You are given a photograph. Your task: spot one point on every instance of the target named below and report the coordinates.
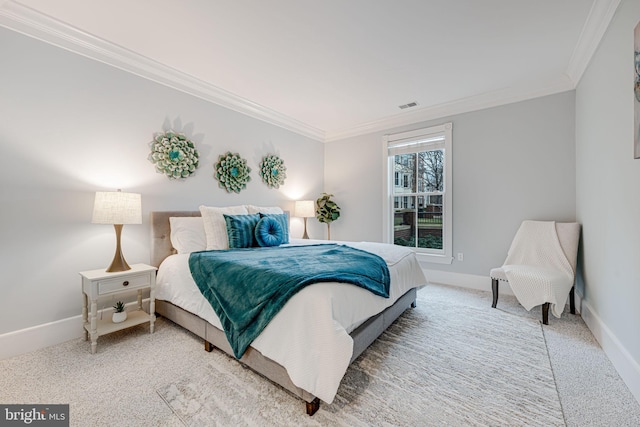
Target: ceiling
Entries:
(333, 68)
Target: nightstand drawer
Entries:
(123, 283)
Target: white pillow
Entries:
(187, 234)
(215, 228)
(266, 210)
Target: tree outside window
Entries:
(418, 201)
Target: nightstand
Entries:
(98, 284)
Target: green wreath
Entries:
(173, 155)
(273, 171)
(232, 172)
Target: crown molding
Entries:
(32, 23)
(460, 106)
(598, 20)
(596, 25)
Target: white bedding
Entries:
(309, 337)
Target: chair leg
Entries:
(545, 313)
(572, 300)
(494, 289)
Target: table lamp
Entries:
(117, 208)
(304, 209)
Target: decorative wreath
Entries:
(232, 172)
(173, 154)
(637, 82)
(273, 171)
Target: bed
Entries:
(285, 359)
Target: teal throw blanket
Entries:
(247, 287)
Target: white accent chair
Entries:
(569, 237)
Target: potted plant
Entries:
(327, 211)
(119, 315)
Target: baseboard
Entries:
(479, 283)
(627, 367)
(41, 336)
(469, 281)
(38, 337)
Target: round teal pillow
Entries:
(269, 232)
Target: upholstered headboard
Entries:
(161, 234)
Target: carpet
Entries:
(442, 363)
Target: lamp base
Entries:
(305, 235)
(118, 263)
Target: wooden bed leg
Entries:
(313, 406)
(208, 346)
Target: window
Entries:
(406, 180)
(418, 194)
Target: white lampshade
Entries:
(304, 209)
(116, 207)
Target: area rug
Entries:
(441, 363)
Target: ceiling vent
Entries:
(409, 105)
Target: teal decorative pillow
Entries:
(240, 230)
(268, 232)
(283, 219)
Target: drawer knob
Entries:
(125, 283)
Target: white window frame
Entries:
(421, 137)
